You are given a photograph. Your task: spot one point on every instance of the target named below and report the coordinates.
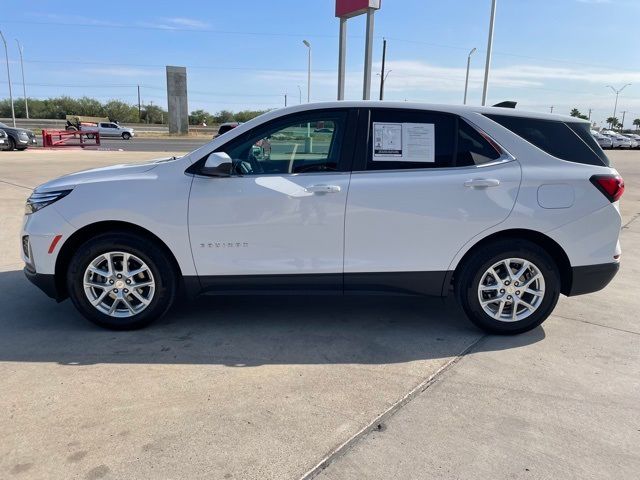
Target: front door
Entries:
(278, 221)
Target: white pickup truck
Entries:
(111, 129)
(103, 126)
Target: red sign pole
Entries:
(346, 9)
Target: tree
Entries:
(222, 116)
(153, 114)
(636, 122)
(246, 115)
(576, 113)
(613, 122)
(198, 117)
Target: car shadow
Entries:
(244, 331)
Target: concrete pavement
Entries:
(272, 387)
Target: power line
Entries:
(296, 35)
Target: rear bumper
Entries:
(45, 282)
(591, 278)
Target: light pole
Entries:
(466, 81)
(617, 92)
(308, 45)
(299, 95)
(24, 88)
(383, 82)
(6, 54)
(489, 48)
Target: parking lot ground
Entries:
(272, 387)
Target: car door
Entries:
(424, 184)
(105, 131)
(278, 221)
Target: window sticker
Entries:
(403, 142)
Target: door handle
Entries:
(482, 183)
(322, 189)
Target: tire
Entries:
(160, 273)
(476, 271)
(126, 135)
(11, 144)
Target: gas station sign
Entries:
(352, 8)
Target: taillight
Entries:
(611, 186)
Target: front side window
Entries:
(310, 143)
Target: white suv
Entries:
(508, 209)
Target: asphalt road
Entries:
(278, 388)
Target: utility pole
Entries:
(551, 109)
(139, 105)
(489, 48)
(24, 87)
(617, 92)
(466, 81)
(622, 124)
(6, 54)
(285, 99)
(384, 56)
(590, 110)
(299, 95)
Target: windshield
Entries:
(2, 125)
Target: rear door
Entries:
(424, 184)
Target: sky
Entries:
(247, 54)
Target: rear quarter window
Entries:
(570, 141)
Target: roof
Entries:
(456, 109)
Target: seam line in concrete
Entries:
(344, 447)
(16, 185)
(633, 219)
(597, 324)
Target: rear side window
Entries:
(473, 148)
(426, 139)
(555, 138)
(584, 132)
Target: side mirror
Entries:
(218, 164)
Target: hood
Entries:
(103, 174)
(17, 130)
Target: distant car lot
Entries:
(251, 388)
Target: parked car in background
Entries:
(635, 138)
(18, 138)
(604, 141)
(4, 140)
(225, 127)
(619, 141)
(493, 204)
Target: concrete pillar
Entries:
(177, 100)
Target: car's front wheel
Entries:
(126, 135)
(121, 281)
(509, 287)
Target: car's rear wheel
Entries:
(121, 281)
(509, 287)
(126, 135)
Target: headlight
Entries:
(39, 200)
(23, 135)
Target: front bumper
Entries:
(591, 278)
(45, 282)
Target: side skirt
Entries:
(381, 283)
